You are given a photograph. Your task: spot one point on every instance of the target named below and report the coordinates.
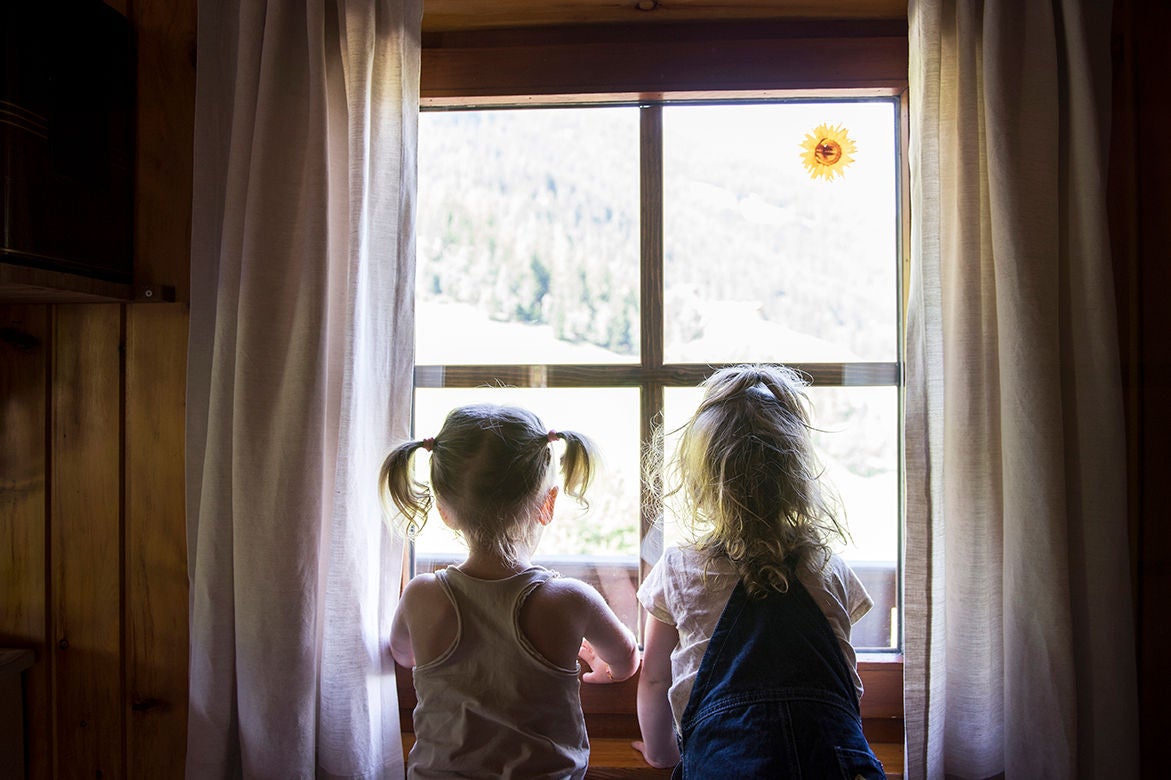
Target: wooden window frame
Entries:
(650, 65)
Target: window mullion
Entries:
(651, 244)
(651, 322)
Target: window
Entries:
(596, 263)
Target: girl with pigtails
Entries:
(494, 641)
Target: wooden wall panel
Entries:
(1139, 198)
(86, 547)
(165, 126)
(156, 550)
(155, 392)
(24, 339)
(1153, 200)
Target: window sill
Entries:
(613, 757)
(882, 700)
(611, 714)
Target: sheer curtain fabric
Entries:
(299, 379)
(1019, 635)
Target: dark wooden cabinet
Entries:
(67, 78)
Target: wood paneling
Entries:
(1151, 164)
(86, 555)
(92, 543)
(1139, 199)
(92, 525)
(165, 34)
(24, 608)
(156, 562)
(19, 284)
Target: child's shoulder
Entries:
(565, 598)
(837, 580)
(687, 559)
(675, 556)
(568, 589)
(424, 590)
(839, 569)
(683, 569)
(831, 573)
(425, 604)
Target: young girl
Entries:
(747, 665)
(494, 641)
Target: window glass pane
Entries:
(857, 443)
(528, 233)
(764, 262)
(598, 544)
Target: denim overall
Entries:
(774, 697)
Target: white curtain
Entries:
(299, 378)
(1019, 628)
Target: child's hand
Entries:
(641, 748)
(599, 670)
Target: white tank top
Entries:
(491, 706)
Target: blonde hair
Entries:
(489, 465)
(749, 480)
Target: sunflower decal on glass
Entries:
(826, 151)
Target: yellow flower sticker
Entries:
(827, 151)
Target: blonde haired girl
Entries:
(747, 664)
(494, 641)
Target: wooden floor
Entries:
(615, 758)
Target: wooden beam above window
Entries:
(628, 63)
(488, 14)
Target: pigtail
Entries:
(399, 490)
(579, 464)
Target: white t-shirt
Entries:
(676, 593)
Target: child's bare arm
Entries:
(607, 640)
(400, 634)
(425, 623)
(658, 745)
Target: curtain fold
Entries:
(300, 361)
(1019, 625)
